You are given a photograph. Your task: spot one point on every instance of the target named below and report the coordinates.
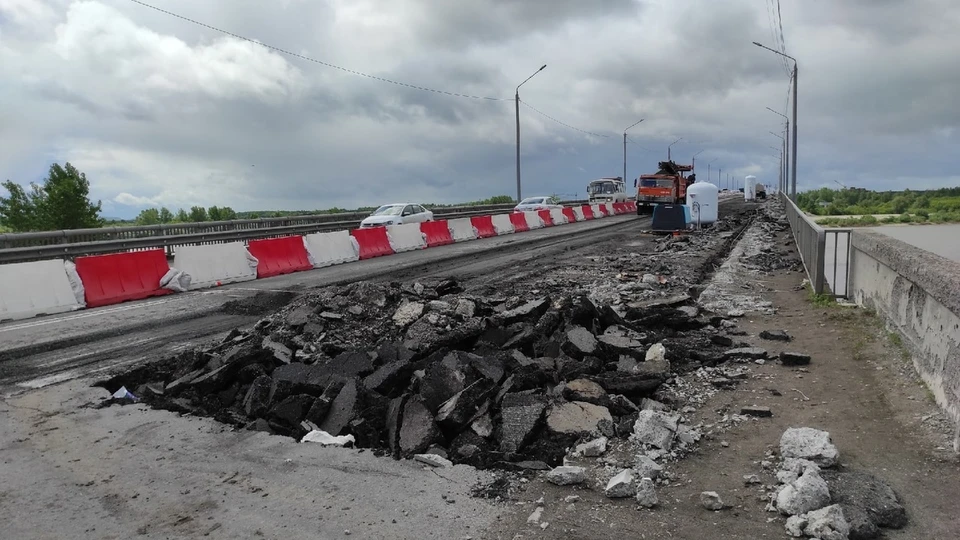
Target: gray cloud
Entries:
(159, 111)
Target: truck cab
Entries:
(604, 190)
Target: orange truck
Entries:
(667, 186)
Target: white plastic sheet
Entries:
(175, 280)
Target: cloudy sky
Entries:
(160, 111)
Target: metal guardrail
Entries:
(25, 247)
(812, 241)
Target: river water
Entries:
(944, 240)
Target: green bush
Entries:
(905, 218)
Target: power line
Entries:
(314, 60)
(638, 144)
(547, 116)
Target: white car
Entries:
(396, 214)
(537, 203)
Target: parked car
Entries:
(537, 203)
(396, 214)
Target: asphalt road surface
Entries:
(46, 350)
(38, 352)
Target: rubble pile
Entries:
(825, 502)
(409, 369)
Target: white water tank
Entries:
(750, 188)
(707, 199)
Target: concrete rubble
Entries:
(826, 501)
(502, 382)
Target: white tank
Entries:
(750, 188)
(707, 199)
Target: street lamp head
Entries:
(543, 67)
(758, 45)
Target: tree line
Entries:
(858, 201)
(62, 201)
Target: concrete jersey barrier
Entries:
(330, 248)
(502, 224)
(216, 264)
(35, 288)
(405, 237)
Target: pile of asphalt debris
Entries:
(423, 368)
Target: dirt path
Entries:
(859, 387)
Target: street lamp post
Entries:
(708, 169)
(625, 150)
(517, 100)
(786, 150)
(781, 150)
(671, 144)
(793, 186)
(693, 162)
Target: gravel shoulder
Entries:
(860, 387)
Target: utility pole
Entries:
(517, 101)
(625, 151)
(719, 177)
(786, 152)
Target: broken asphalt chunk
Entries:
(794, 359)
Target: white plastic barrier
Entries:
(578, 213)
(406, 237)
(610, 210)
(533, 220)
(596, 211)
(502, 224)
(329, 248)
(210, 264)
(556, 215)
(462, 229)
(35, 288)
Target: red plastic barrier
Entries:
(519, 221)
(484, 225)
(437, 232)
(571, 217)
(373, 242)
(545, 216)
(603, 210)
(587, 211)
(631, 207)
(620, 208)
(111, 279)
(279, 256)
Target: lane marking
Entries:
(84, 315)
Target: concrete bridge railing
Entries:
(918, 294)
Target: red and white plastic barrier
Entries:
(47, 287)
(37, 288)
(503, 224)
(329, 248)
(406, 237)
(216, 264)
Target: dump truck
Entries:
(667, 186)
(761, 191)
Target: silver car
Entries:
(537, 203)
(396, 214)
